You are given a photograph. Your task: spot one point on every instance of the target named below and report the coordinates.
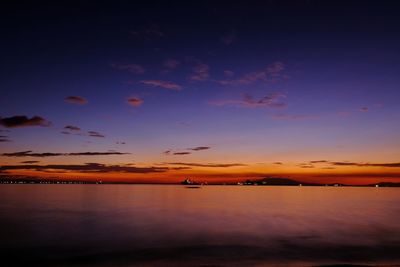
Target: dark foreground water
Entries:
(149, 225)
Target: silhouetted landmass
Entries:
(279, 181)
(388, 184)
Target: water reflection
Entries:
(217, 225)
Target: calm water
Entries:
(147, 225)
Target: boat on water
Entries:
(190, 184)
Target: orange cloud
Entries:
(135, 101)
(78, 100)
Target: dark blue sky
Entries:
(256, 82)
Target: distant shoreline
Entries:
(68, 182)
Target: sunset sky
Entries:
(161, 91)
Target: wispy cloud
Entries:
(199, 148)
(95, 134)
(30, 153)
(108, 153)
(30, 161)
(171, 64)
(364, 109)
(355, 164)
(23, 121)
(273, 100)
(209, 165)
(184, 124)
(135, 101)
(182, 153)
(289, 117)
(77, 100)
(306, 165)
(86, 168)
(72, 128)
(4, 138)
(228, 73)
(319, 161)
(163, 84)
(271, 73)
(132, 68)
(201, 72)
(360, 164)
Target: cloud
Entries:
(229, 38)
(271, 73)
(275, 69)
(306, 166)
(29, 153)
(289, 117)
(228, 73)
(349, 112)
(201, 72)
(95, 134)
(278, 163)
(163, 84)
(30, 161)
(318, 161)
(135, 101)
(182, 153)
(97, 153)
(87, 167)
(198, 148)
(4, 138)
(24, 121)
(132, 68)
(72, 128)
(171, 64)
(184, 124)
(78, 100)
(212, 165)
(358, 164)
(273, 100)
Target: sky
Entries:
(155, 92)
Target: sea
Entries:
(173, 225)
